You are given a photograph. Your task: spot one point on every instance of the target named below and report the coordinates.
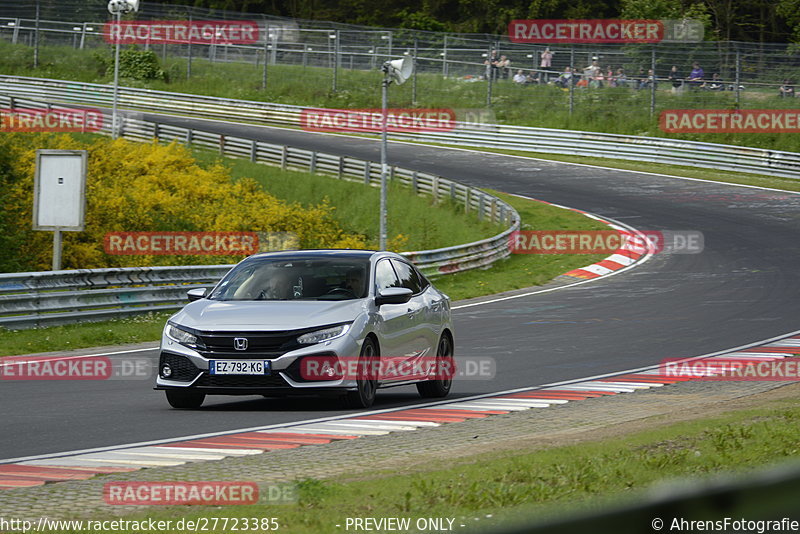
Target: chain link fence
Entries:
(606, 78)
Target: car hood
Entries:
(207, 314)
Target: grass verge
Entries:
(420, 223)
(136, 329)
(534, 484)
(516, 272)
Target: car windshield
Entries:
(295, 279)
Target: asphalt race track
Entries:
(744, 287)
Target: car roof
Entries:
(324, 253)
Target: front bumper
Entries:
(190, 369)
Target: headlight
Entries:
(182, 336)
(323, 335)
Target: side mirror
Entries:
(393, 295)
(196, 293)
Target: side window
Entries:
(385, 276)
(408, 276)
(423, 282)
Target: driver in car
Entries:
(278, 287)
(354, 281)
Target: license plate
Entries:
(239, 367)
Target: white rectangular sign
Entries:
(59, 199)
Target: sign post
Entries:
(59, 194)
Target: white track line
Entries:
(340, 421)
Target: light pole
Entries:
(117, 8)
(397, 71)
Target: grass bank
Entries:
(612, 110)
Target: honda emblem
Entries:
(240, 343)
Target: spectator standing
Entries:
(696, 76)
(492, 68)
(610, 79)
(621, 78)
(786, 90)
(591, 72)
(504, 65)
(676, 79)
(546, 64)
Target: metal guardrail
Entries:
(635, 148)
(34, 299)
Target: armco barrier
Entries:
(33, 299)
(636, 148)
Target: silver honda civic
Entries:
(321, 322)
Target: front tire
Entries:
(366, 384)
(435, 389)
(184, 399)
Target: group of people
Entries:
(595, 76)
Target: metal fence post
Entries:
(653, 84)
(572, 80)
(36, 38)
(189, 58)
(266, 52)
(738, 76)
(254, 151)
(414, 67)
(444, 58)
(335, 37)
(489, 77)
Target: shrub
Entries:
(146, 187)
(136, 64)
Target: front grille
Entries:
(260, 345)
(183, 370)
(241, 381)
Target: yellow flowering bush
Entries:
(139, 187)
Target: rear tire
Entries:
(185, 399)
(367, 385)
(433, 389)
